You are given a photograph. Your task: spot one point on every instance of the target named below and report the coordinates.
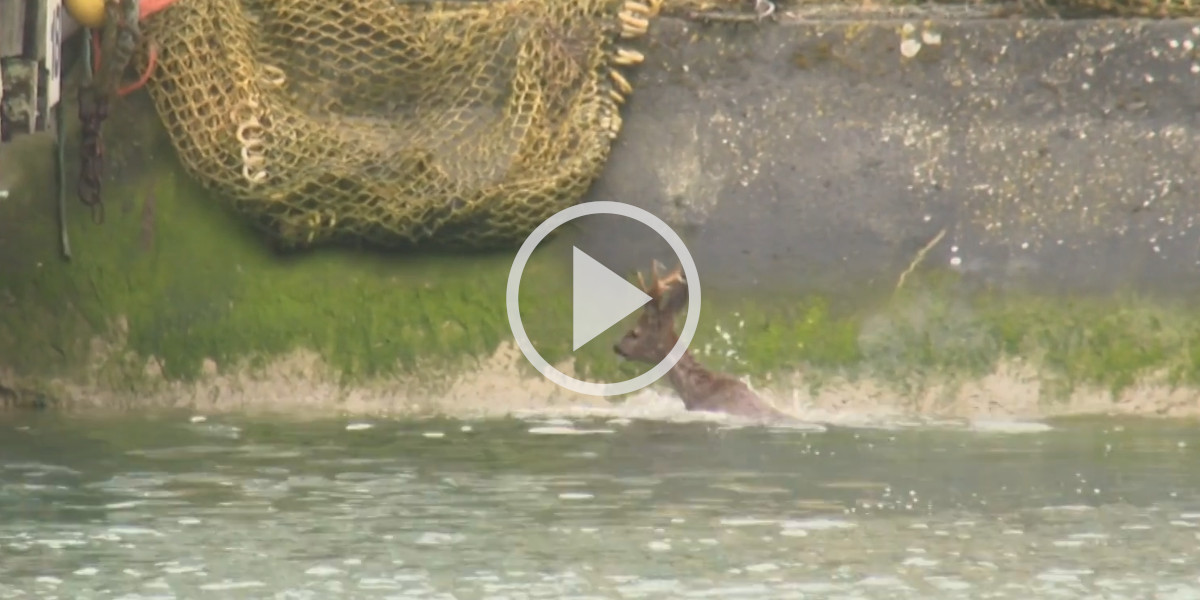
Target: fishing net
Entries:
(395, 122)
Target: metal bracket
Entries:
(30, 70)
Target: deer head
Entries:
(653, 336)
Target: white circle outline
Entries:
(539, 234)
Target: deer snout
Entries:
(624, 349)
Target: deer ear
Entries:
(656, 269)
(678, 272)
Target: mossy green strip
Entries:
(194, 282)
(934, 331)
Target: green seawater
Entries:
(182, 506)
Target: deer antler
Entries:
(661, 284)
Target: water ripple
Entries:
(602, 507)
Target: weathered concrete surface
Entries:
(808, 165)
(1053, 154)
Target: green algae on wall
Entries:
(174, 275)
(183, 280)
(936, 330)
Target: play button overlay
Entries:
(601, 298)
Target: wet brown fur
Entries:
(701, 389)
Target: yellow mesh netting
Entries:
(395, 122)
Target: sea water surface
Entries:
(184, 506)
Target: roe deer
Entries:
(652, 338)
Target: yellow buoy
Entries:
(89, 13)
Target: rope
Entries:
(61, 170)
(87, 56)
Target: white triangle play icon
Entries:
(599, 298)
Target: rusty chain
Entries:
(118, 40)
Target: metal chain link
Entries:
(118, 41)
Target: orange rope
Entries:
(146, 8)
(150, 64)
